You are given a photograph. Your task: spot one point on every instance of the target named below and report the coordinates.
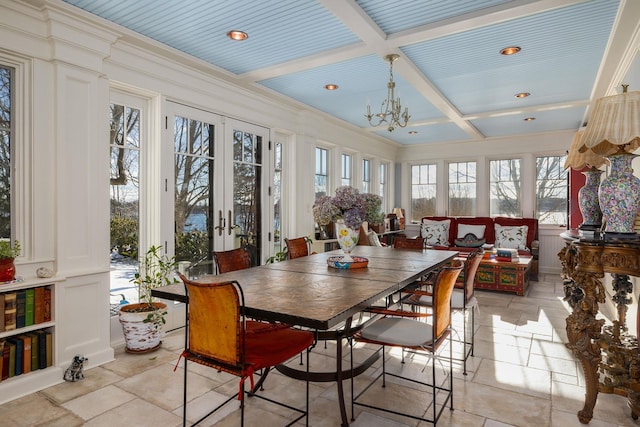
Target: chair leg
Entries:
(451, 372)
(184, 396)
(464, 340)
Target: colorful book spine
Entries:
(42, 349)
(10, 311)
(5, 360)
(47, 304)
(38, 305)
(29, 306)
(49, 340)
(12, 358)
(21, 300)
(1, 312)
(26, 353)
(19, 354)
(35, 351)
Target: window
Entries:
(505, 195)
(366, 176)
(6, 148)
(423, 191)
(551, 190)
(277, 197)
(346, 169)
(383, 185)
(124, 145)
(321, 172)
(462, 189)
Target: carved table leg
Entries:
(583, 332)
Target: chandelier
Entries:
(390, 110)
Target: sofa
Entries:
(465, 234)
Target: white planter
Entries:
(140, 337)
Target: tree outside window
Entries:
(505, 195)
(346, 169)
(423, 191)
(322, 173)
(551, 190)
(6, 134)
(462, 189)
(366, 176)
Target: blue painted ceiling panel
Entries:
(449, 67)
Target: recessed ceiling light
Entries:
(237, 35)
(522, 94)
(529, 119)
(510, 50)
(413, 132)
(331, 86)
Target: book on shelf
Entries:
(1, 312)
(42, 349)
(12, 357)
(21, 300)
(26, 353)
(19, 354)
(10, 311)
(47, 304)
(28, 308)
(35, 351)
(38, 305)
(5, 360)
(49, 348)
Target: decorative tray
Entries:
(337, 262)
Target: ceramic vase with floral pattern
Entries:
(347, 239)
(588, 200)
(619, 196)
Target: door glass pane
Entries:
(247, 201)
(5, 151)
(193, 145)
(124, 146)
(277, 198)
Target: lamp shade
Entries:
(615, 122)
(577, 160)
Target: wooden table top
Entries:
(307, 292)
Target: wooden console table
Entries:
(584, 264)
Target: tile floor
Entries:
(521, 375)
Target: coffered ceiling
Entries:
(450, 73)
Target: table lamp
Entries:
(588, 194)
(613, 131)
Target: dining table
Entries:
(307, 292)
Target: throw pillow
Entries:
(470, 241)
(464, 229)
(436, 233)
(511, 237)
(373, 239)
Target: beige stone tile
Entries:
(568, 419)
(512, 338)
(136, 412)
(502, 352)
(97, 402)
(127, 364)
(502, 405)
(551, 349)
(553, 364)
(94, 379)
(33, 409)
(609, 408)
(516, 378)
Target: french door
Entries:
(220, 187)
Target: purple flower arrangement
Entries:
(350, 205)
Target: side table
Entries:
(584, 264)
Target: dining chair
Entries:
(462, 300)
(217, 337)
(298, 247)
(401, 329)
(408, 243)
(232, 260)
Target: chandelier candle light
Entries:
(391, 109)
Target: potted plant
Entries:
(8, 253)
(142, 322)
